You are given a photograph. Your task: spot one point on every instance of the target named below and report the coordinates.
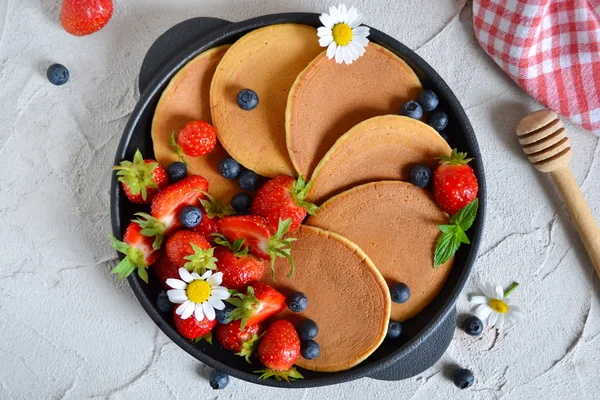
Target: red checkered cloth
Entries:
(551, 48)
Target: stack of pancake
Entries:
(336, 124)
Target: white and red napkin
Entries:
(551, 48)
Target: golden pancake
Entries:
(395, 223)
(266, 60)
(328, 99)
(380, 148)
(347, 297)
(186, 99)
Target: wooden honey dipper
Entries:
(543, 138)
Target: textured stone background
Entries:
(70, 331)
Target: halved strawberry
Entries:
(191, 328)
(164, 269)
(257, 236)
(141, 179)
(238, 267)
(260, 302)
(192, 251)
(212, 211)
(278, 350)
(138, 250)
(243, 341)
(281, 198)
(168, 203)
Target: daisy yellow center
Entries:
(198, 291)
(498, 305)
(342, 34)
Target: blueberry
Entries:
(463, 378)
(229, 168)
(399, 292)
(445, 136)
(428, 100)
(57, 74)
(420, 176)
(176, 171)
(248, 180)
(190, 216)
(241, 202)
(247, 99)
(310, 349)
(223, 315)
(394, 330)
(163, 304)
(473, 326)
(218, 380)
(412, 109)
(297, 302)
(307, 329)
(438, 120)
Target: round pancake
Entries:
(266, 60)
(347, 297)
(186, 99)
(328, 99)
(380, 148)
(395, 223)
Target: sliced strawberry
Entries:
(257, 236)
(243, 341)
(278, 350)
(212, 211)
(138, 250)
(164, 269)
(191, 328)
(281, 198)
(141, 179)
(167, 204)
(238, 267)
(260, 302)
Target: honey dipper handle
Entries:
(580, 213)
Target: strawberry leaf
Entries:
(246, 305)
(207, 337)
(134, 259)
(280, 247)
(201, 260)
(289, 375)
(176, 149)
(137, 175)
(455, 158)
(214, 207)
(237, 248)
(454, 235)
(299, 194)
(151, 227)
(249, 347)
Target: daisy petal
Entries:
(352, 14)
(185, 275)
(198, 313)
(206, 275)
(215, 279)
(331, 50)
(189, 310)
(220, 294)
(343, 13)
(177, 296)
(478, 299)
(327, 21)
(482, 311)
(357, 50)
(182, 307)
(488, 289)
(498, 292)
(492, 318)
(355, 21)
(195, 275)
(500, 321)
(338, 55)
(176, 283)
(360, 41)
(334, 14)
(216, 303)
(209, 311)
(515, 313)
(325, 41)
(361, 31)
(323, 31)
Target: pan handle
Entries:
(172, 42)
(425, 354)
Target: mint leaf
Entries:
(465, 217)
(445, 248)
(454, 235)
(461, 236)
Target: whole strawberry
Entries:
(278, 350)
(141, 179)
(190, 250)
(139, 252)
(454, 182)
(238, 267)
(191, 328)
(212, 211)
(281, 198)
(164, 269)
(196, 139)
(83, 17)
(242, 341)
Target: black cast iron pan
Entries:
(426, 336)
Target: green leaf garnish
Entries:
(454, 235)
(137, 175)
(176, 149)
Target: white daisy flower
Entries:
(198, 295)
(342, 34)
(494, 305)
